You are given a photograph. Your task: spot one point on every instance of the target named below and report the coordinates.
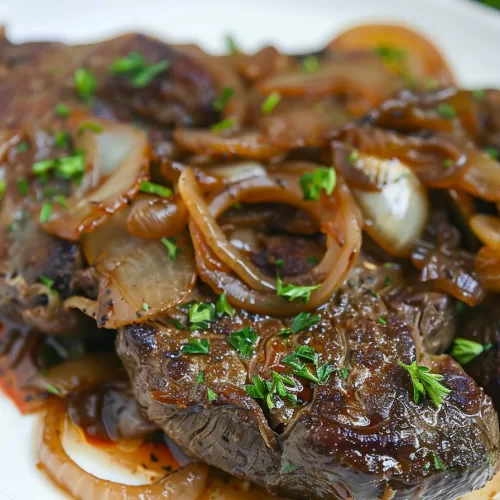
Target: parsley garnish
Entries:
(62, 110)
(222, 125)
(231, 45)
(437, 463)
(243, 341)
(61, 200)
(172, 248)
(145, 306)
(200, 378)
(152, 188)
(46, 212)
(448, 163)
(493, 152)
(279, 263)
(301, 370)
(220, 103)
(23, 147)
(41, 167)
(302, 321)
(344, 372)
(177, 324)
(270, 103)
(287, 467)
(86, 84)
(479, 95)
(212, 396)
(222, 306)
(66, 167)
(426, 383)
(323, 372)
(3, 187)
(61, 139)
(53, 389)
(310, 64)
(49, 283)
(353, 156)
(304, 353)
(270, 390)
(292, 292)
(312, 261)
(382, 321)
(446, 110)
(200, 315)
(390, 54)
(464, 350)
(91, 127)
(313, 182)
(139, 71)
(387, 281)
(195, 346)
(22, 187)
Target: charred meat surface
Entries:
(356, 433)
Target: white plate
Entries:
(467, 34)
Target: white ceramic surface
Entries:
(468, 35)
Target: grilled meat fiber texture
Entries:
(354, 437)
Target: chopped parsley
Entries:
(270, 391)
(46, 212)
(313, 182)
(42, 167)
(91, 127)
(22, 186)
(138, 70)
(382, 321)
(437, 463)
(3, 187)
(61, 139)
(200, 378)
(86, 84)
(302, 321)
(287, 467)
(226, 95)
(60, 199)
(493, 152)
(302, 353)
(323, 372)
(232, 48)
(222, 125)
(177, 324)
(353, 156)
(23, 147)
(390, 54)
(279, 263)
(312, 261)
(201, 315)
(62, 111)
(145, 306)
(344, 372)
(301, 370)
(310, 64)
(212, 396)
(464, 350)
(448, 163)
(53, 389)
(222, 306)
(446, 110)
(479, 95)
(152, 188)
(67, 167)
(243, 341)
(292, 292)
(426, 383)
(49, 283)
(172, 248)
(387, 281)
(270, 103)
(195, 346)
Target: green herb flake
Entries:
(437, 463)
(287, 467)
(387, 281)
(323, 372)
(43, 166)
(157, 189)
(86, 84)
(493, 152)
(464, 350)
(91, 127)
(302, 353)
(312, 183)
(345, 373)
(312, 261)
(382, 321)
(243, 341)
(212, 396)
(301, 370)
(479, 95)
(292, 292)
(304, 320)
(232, 47)
(195, 346)
(426, 383)
(130, 64)
(145, 307)
(390, 54)
(353, 156)
(53, 389)
(200, 378)
(270, 103)
(46, 212)
(62, 111)
(172, 248)
(61, 139)
(49, 283)
(310, 64)
(60, 200)
(226, 95)
(448, 163)
(279, 263)
(222, 306)
(148, 74)
(446, 110)
(202, 314)
(22, 186)
(177, 324)
(3, 187)
(223, 125)
(22, 147)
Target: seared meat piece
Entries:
(483, 325)
(356, 434)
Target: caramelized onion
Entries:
(186, 484)
(78, 374)
(246, 144)
(123, 162)
(482, 177)
(418, 57)
(395, 216)
(488, 268)
(338, 218)
(155, 217)
(487, 229)
(138, 277)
